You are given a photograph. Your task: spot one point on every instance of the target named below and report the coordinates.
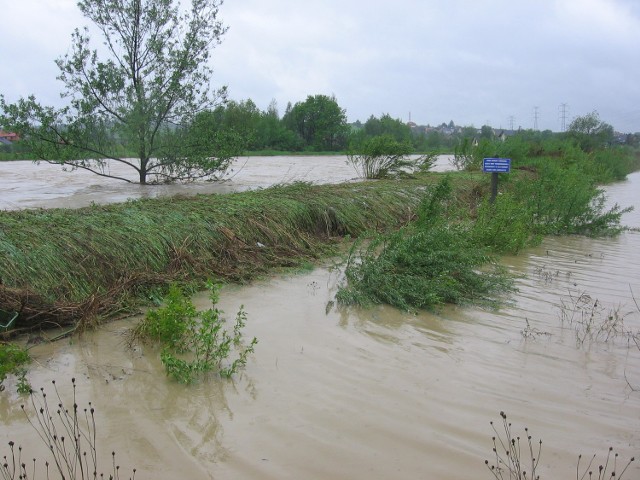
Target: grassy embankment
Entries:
(70, 267)
(449, 254)
(73, 267)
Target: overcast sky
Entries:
(470, 61)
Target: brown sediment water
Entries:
(25, 184)
(334, 392)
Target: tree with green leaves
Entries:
(385, 125)
(590, 132)
(137, 97)
(486, 132)
(320, 122)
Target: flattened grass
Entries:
(71, 267)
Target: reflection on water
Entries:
(338, 392)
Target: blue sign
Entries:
(496, 165)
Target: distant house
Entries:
(504, 134)
(8, 138)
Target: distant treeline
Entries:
(319, 124)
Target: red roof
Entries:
(12, 137)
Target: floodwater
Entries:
(346, 393)
(25, 184)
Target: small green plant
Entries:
(69, 434)
(12, 360)
(23, 386)
(195, 342)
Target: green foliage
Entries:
(590, 132)
(140, 94)
(195, 342)
(387, 126)
(425, 264)
(12, 359)
(320, 122)
(560, 198)
(170, 324)
(615, 163)
(445, 256)
(463, 157)
(380, 157)
(504, 226)
(566, 201)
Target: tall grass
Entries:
(68, 266)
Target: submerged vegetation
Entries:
(384, 157)
(13, 359)
(70, 435)
(73, 267)
(447, 254)
(428, 262)
(194, 342)
(518, 458)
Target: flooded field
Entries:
(346, 393)
(25, 184)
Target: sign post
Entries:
(495, 166)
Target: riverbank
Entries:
(74, 267)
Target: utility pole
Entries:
(535, 118)
(563, 110)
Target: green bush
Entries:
(566, 201)
(504, 226)
(12, 360)
(428, 263)
(195, 342)
(380, 157)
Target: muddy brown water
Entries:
(24, 184)
(346, 393)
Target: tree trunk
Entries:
(143, 170)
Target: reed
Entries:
(71, 267)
